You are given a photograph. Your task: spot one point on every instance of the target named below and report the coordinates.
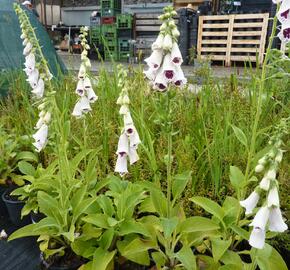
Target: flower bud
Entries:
(259, 168)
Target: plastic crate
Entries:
(95, 34)
(125, 33)
(95, 21)
(111, 55)
(111, 4)
(124, 21)
(110, 42)
(109, 12)
(124, 45)
(109, 31)
(108, 20)
(124, 56)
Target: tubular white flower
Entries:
(276, 222)
(259, 168)
(179, 79)
(160, 82)
(155, 59)
(261, 218)
(263, 160)
(47, 118)
(82, 72)
(265, 183)
(41, 135)
(23, 36)
(39, 123)
(133, 156)
(257, 238)
(91, 95)
(28, 71)
(158, 44)
(87, 83)
(30, 61)
(77, 111)
(284, 12)
(251, 202)
(38, 91)
(82, 106)
(33, 78)
(150, 74)
(167, 43)
(25, 41)
(273, 197)
(168, 68)
(279, 156)
(39, 145)
(271, 174)
(126, 100)
(123, 144)
(175, 32)
(284, 34)
(128, 121)
(124, 109)
(133, 137)
(176, 56)
(80, 90)
(121, 165)
(27, 48)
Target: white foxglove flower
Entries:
(80, 90)
(123, 144)
(33, 78)
(27, 48)
(128, 121)
(279, 156)
(259, 168)
(284, 34)
(257, 238)
(167, 43)
(277, 1)
(150, 74)
(133, 156)
(263, 161)
(176, 56)
(39, 145)
(82, 106)
(82, 72)
(276, 222)
(168, 67)
(23, 36)
(121, 164)
(284, 12)
(126, 100)
(38, 91)
(133, 137)
(251, 202)
(273, 197)
(160, 82)
(40, 137)
(155, 59)
(179, 79)
(3, 234)
(271, 174)
(158, 44)
(265, 183)
(87, 83)
(124, 109)
(47, 118)
(175, 32)
(25, 41)
(39, 123)
(30, 61)
(261, 218)
(91, 95)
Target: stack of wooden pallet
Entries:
(239, 37)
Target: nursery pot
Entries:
(36, 217)
(14, 208)
(72, 265)
(3, 209)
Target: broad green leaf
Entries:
(107, 238)
(81, 208)
(269, 259)
(136, 250)
(159, 202)
(23, 232)
(102, 259)
(219, 247)
(85, 249)
(131, 226)
(158, 259)
(26, 168)
(198, 224)
(99, 220)
(229, 267)
(28, 156)
(240, 231)
(231, 257)
(237, 177)
(240, 135)
(106, 204)
(209, 206)
(208, 262)
(169, 225)
(179, 183)
(187, 258)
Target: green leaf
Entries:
(107, 238)
(209, 206)
(159, 202)
(26, 168)
(23, 232)
(198, 224)
(85, 249)
(232, 258)
(240, 135)
(106, 205)
(187, 258)
(209, 262)
(102, 259)
(136, 250)
(219, 247)
(179, 183)
(229, 267)
(268, 258)
(169, 225)
(131, 226)
(240, 231)
(159, 259)
(237, 177)
(99, 220)
(28, 156)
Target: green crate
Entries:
(109, 31)
(110, 42)
(95, 34)
(110, 12)
(111, 55)
(124, 21)
(111, 4)
(124, 45)
(124, 55)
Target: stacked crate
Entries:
(125, 27)
(95, 30)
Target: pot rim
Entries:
(10, 201)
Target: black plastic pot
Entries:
(36, 217)
(46, 266)
(3, 209)
(14, 208)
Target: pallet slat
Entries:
(236, 33)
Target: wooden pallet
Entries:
(228, 38)
(183, 3)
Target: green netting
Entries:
(11, 45)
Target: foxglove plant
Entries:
(283, 16)
(129, 138)
(84, 87)
(165, 61)
(38, 76)
(269, 216)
